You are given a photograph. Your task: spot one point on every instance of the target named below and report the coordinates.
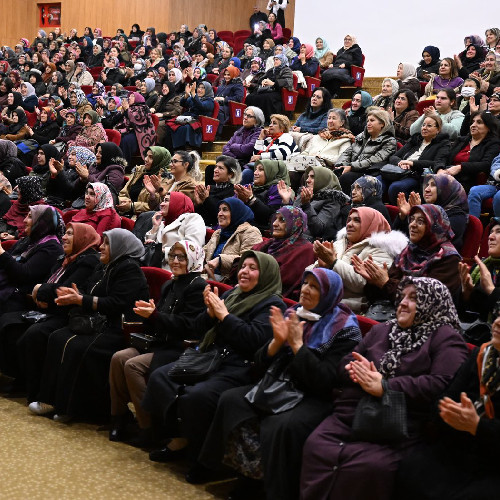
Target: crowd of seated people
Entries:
(268, 264)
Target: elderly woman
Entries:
(490, 74)
(446, 79)
(369, 150)
(385, 99)
(430, 253)
(367, 192)
(238, 323)
(76, 365)
(91, 134)
(367, 234)
(309, 345)
(81, 75)
(340, 73)
(406, 75)
(175, 221)
(431, 58)
(46, 127)
(252, 76)
(356, 114)
(403, 114)
(169, 322)
(234, 236)
(470, 60)
(268, 95)
(417, 354)
(79, 102)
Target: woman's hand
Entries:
(156, 181)
(375, 275)
(211, 266)
(461, 416)
(359, 267)
(4, 237)
(466, 280)
(458, 61)
(157, 218)
(295, 332)
(414, 199)
(29, 130)
(325, 134)
(82, 171)
(429, 111)
(405, 164)
(454, 170)
(363, 372)
(295, 129)
(55, 166)
(325, 252)
(68, 296)
(148, 184)
(306, 195)
(201, 193)
(124, 205)
(206, 292)
(217, 305)
(485, 277)
(285, 192)
(143, 308)
(280, 331)
(255, 158)
(263, 134)
(244, 193)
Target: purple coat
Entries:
(115, 174)
(241, 145)
(336, 467)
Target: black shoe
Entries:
(119, 425)
(166, 455)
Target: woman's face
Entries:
(73, 100)
(399, 71)
(407, 307)
(445, 69)
(347, 41)
(353, 227)
(374, 126)
(255, 66)
(40, 156)
(290, 43)
(471, 52)
(401, 102)
(478, 128)
(196, 74)
(10, 99)
(98, 155)
(28, 223)
(211, 34)
(221, 173)
(148, 160)
(417, 226)
(113, 52)
(443, 103)
(356, 193)
(265, 45)
(177, 260)
(271, 18)
(490, 62)
(70, 120)
(494, 105)
(226, 53)
(490, 37)
(279, 227)
(248, 275)
(310, 179)
(178, 168)
(15, 118)
(356, 102)
(319, 43)
(224, 216)
(277, 62)
(430, 192)
(67, 241)
(275, 127)
(104, 249)
(259, 176)
(72, 159)
(494, 242)
(248, 51)
(32, 79)
(317, 99)
(200, 90)
(227, 77)
(171, 76)
(90, 199)
(87, 121)
(310, 293)
(62, 50)
(334, 122)
(164, 206)
(143, 88)
(386, 88)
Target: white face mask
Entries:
(137, 66)
(468, 91)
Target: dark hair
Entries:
(327, 100)
(453, 66)
(187, 157)
(477, 83)
(489, 120)
(452, 96)
(232, 166)
(136, 26)
(275, 19)
(410, 96)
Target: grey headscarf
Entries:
(7, 149)
(150, 84)
(209, 91)
(123, 242)
(282, 58)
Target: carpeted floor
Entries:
(40, 458)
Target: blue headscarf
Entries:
(330, 320)
(320, 53)
(237, 62)
(366, 98)
(296, 45)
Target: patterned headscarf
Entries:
(80, 96)
(296, 224)
(30, 189)
(103, 196)
(195, 255)
(47, 224)
(100, 88)
(436, 244)
(435, 308)
(261, 65)
(370, 186)
(83, 155)
(451, 194)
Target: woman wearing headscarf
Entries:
(46, 127)
(10, 166)
(168, 104)
(70, 129)
(148, 91)
(30, 193)
(234, 236)
(237, 322)
(97, 58)
(30, 260)
(6, 86)
(176, 221)
(35, 78)
(367, 235)
(469, 61)
(136, 126)
(429, 253)
(231, 89)
(309, 345)
(367, 192)
(175, 76)
(268, 95)
(14, 101)
(97, 93)
(322, 53)
(50, 68)
(417, 354)
(385, 99)
(431, 58)
(78, 101)
(305, 62)
(75, 265)
(112, 73)
(490, 74)
(92, 132)
(170, 322)
(99, 211)
(356, 114)
(76, 367)
(18, 128)
(41, 167)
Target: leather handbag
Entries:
(381, 420)
(82, 323)
(393, 173)
(381, 311)
(144, 343)
(194, 365)
(152, 256)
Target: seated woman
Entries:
(91, 134)
(198, 100)
(469, 61)
(238, 322)
(367, 192)
(356, 114)
(252, 76)
(447, 79)
(314, 119)
(427, 325)
(444, 106)
(403, 114)
(18, 128)
(385, 99)
(30, 260)
(99, 211)
(323, 54)
(170, 322)
(234, 236)
(14, 101)
(79, 102)
(230, 89)
(10, 166)
(136, 126)
(134, 197)
(176, 221)
(207, 198)
(429, 64)
(305, 62)
(267, 97)
(46, 127)
(309, 344)
(289, 247)
(30, 100)
(473, 153)
(424, 150)
(478, 194)
(367, 234)
(168, 104)
(76, 367)
(370, 149)
(70, 129)
(41, 166)
(490, 74)
(275, 27)
(430, 253)
(340, 73)
(407, 78)
(79, 242)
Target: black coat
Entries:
(210, 207)
(13, 168)
(357, 121)
(44, 134)
(350, 57)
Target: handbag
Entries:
(33, 317)
(144, 343)
(183, 119)
(82, 323)
(27, 145)
(300, 163)
(383, 419)
(478, 332)
(152, 256)
(193, 366)
(381, 311)
(393, 173)
(275, 392)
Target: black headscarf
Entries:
(14, 128)
(50, 152)
(111, 154)
(18, 101)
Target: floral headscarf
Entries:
(370, 186)
(83, 155)
(103, 196)
(80, 96)
(195, 255)
(261, 65)
(296, 224)
(451, 194)
(30, 189)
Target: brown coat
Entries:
(403, 123)
(244, 238)
(326, 60)
(186, 185)
(22, 134)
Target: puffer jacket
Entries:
(241, 144)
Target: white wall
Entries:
(393, 31)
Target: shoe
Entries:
(39, 408)
(119, 425)
(62, 419)
(166, 455)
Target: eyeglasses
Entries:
(247, 115)
(173, 160)
(419, 221)
(180, 258)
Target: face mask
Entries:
(137, 67)
(468, 91)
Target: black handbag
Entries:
(193, 366)
(153, 255)
(478, 332)
(275, 392)
(379, 420)
(393, 173)
(82, 323)
(381, 311)
(144, 343)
